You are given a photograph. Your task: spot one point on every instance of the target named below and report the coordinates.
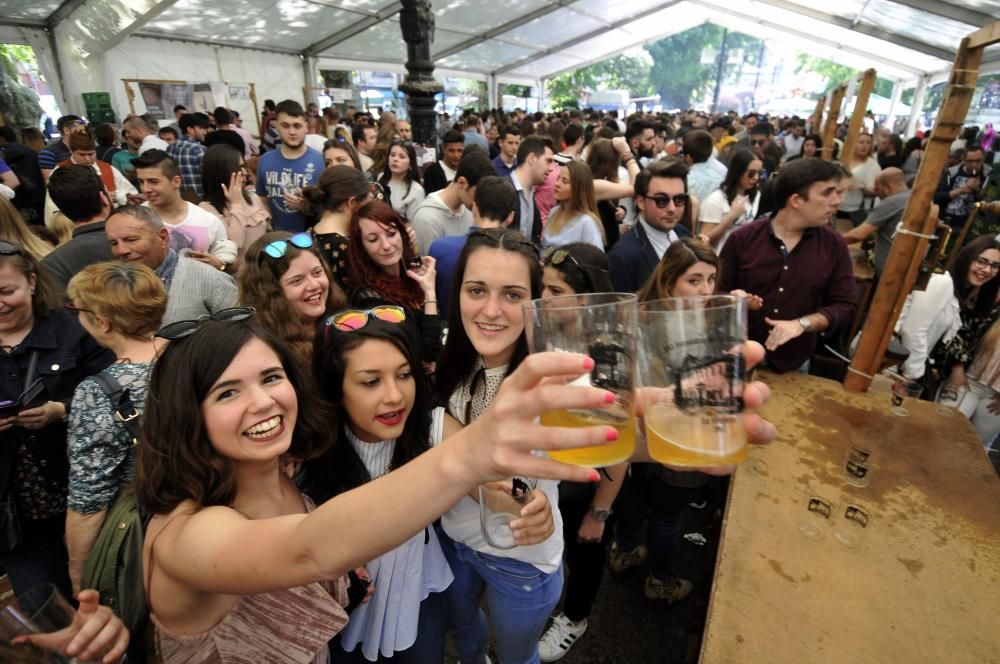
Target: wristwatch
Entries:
(600, 513)
(805, 323)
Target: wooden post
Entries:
(830, 128)
(256, 110)
(857, 117)
(900, 271)
(817, 117)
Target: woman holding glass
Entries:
(239, 566)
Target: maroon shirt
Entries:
(816, 276)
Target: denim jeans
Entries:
(645, 495)
(519, 595)
(427, 649)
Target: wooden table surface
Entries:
(923, 584)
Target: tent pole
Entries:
(830, 128)
(857, 117)
(899, 273)
(816, 119)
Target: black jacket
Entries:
(66, 355)
(434, 178)
(633, 259)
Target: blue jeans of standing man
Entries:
(520, 596)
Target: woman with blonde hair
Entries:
(14, 230)
(575, 217)
(121, 305)
(285, 278)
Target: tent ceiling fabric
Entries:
(538, 39)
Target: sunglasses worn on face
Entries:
(986, 264)
(355, 319)
(753, 172)
(757, 142)
(279, 248)
(185, 328)
(679, 200)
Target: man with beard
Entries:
(282, 173)
(662, 200)
(641, 139)
(795, 265)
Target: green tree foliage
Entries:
(18, 104)
(622, 72)
(678, 74)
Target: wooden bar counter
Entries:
(921, 584)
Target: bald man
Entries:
(890, 187)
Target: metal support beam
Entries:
(350, 31)
(917, 105)
(582, 38)
(956, 12)
(718, 18)
(146, 34)
(500, 29)
(64, 10)
(897, 92)
(865, 29)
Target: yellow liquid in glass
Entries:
(705, 439)
(598, 455)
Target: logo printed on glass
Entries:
(714, 383)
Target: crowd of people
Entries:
(323, 333)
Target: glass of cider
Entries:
(602, 326)
(691, 371)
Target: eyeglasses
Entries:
(679, 200)
(185, 328)
(76, 310)
(753, 172)
(355, 319)
(986, 264)
(556, 256)
(279, 248)
(10, 249)
(758, 142)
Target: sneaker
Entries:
(560, 637)
(671, 591)
(619, 560)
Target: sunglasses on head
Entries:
(279, 248)
(185, 328)
(376, 191)
(403, 144)
(355, 319)
(679, 200)
(10, 249)
(556, 256)
(502, 237)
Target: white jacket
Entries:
(928, 317)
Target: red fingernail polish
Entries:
(609, 397)
(588, 363)
(611, 435)
(594, 476)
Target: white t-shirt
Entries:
(201, 231)
(152, 142)
(716, 207)
(461, 522)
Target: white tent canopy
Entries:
(279, 44)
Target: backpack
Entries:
(114, 566)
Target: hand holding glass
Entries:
(691, 369)
(603, 326)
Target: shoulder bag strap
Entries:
(125, 411)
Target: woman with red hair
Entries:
(386, 270)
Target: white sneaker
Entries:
(560, 637)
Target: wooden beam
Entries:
(816, 119)
(830, 128)
(985, 36)
(858, 116)
(907, 248)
